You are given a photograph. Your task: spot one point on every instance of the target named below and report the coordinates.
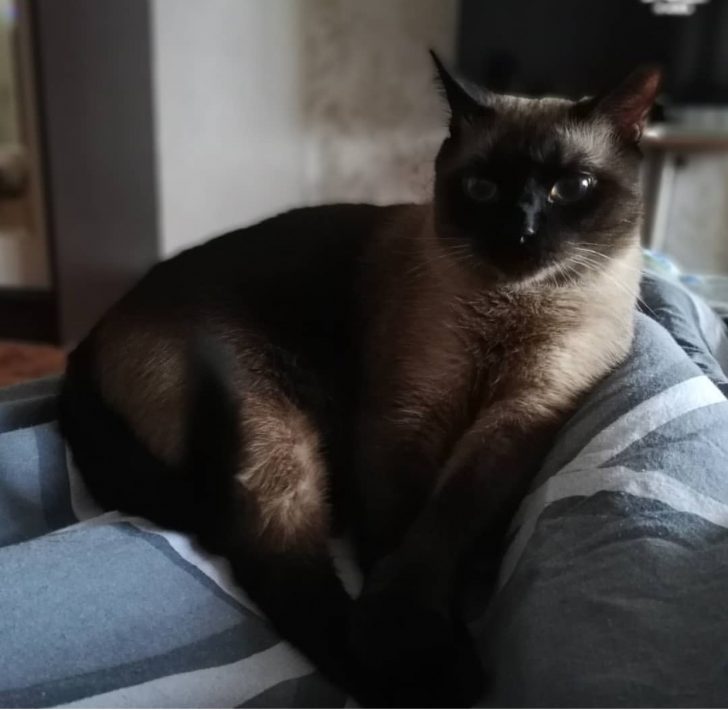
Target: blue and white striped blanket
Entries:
(612, 591)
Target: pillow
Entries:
(612, 591)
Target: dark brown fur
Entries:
(388, 343)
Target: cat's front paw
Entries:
(412, 656)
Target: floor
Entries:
(25, 361)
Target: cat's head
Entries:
(529, 188)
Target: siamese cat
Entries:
(406, 365)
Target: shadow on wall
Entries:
(371, 111)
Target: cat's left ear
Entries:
(465, 107)
(628, 106)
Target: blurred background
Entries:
(132, 129)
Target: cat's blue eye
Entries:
(480, 189)
(572, 188)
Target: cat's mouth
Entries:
(523, 264)
(566, 268)
(506, 259)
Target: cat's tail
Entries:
(297, 589)
(213, 444)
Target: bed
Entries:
(611, 592)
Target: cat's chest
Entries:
(500, 337)
(472, 349)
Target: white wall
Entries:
(228, 114)
(266, 104)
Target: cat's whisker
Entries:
(563, 273)
(592, 252)
(594, 268)
(642, 268)
(597, 268)
(587, 254)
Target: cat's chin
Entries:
(551, 273)
(530, 270)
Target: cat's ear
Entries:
(628, 106)
(465, 107)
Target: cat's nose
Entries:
(529, 214)
(527, 222)
(528, 229)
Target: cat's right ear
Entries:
(465, 108)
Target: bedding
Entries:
(611, 591)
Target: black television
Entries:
(577, 47)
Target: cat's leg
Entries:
(395, 480)
(399, 460)
(410, 607)
(274, 524)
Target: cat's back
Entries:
(291, 282)
(294, 256)
(293, 276)
(284, 293)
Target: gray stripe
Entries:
(33, 389)
(160, 544)
(694, 326)
(630, 518)
(21, 512)
(656, 363)
(653, 485)
(53, 477)
(27, 413)
(697, 436)
(313, 691)
(238, 642)
(617, 602)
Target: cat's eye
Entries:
(480, 189)
(571, 188)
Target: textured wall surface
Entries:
(372, 113)
(697, 231)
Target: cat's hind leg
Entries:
(272, 522)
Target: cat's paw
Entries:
(412, 656)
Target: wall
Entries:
(266, 104)
(228, 116)
(373, 114)
(697, 222)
